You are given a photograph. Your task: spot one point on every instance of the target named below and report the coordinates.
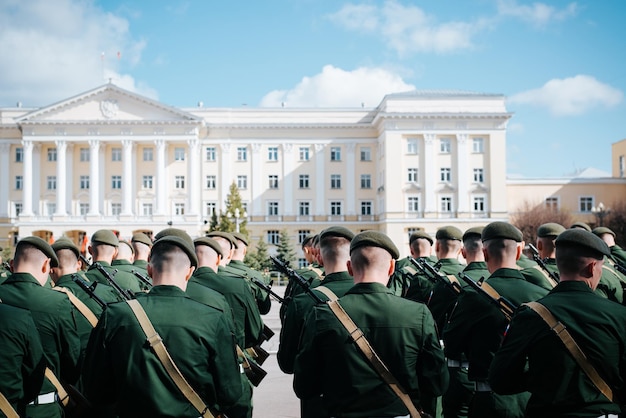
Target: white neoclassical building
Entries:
(110, 158)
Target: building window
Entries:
(411, 146)
(116, 182)
(147, 182)
(148, 154)
(304, 208)
(242, 154)
(366, 181)
(273, 181)
(335, 181)
(83, 208)
(445, 204)
(179, 182)
(411, 231)
(412, 175)
(273, 237)
(242, 182)
(479, 175)
(335, 208)
(18, 209)
(272, 208)
(366, 208)
(210, 153)
(272, 154)
(335, 154)
(84, 182)
(552, 203)
(478, 204)
(211, 182)
(51, 182)
(302, 234)
(585, 203)
(179, 154)
(445, 175)
(304, 181)
(413, 204)
(51, 208)
(116, 154)
(19, 154)
(478, 145)
(19, 182)
(146, 209)
(210, 208)
(179, 209)
(304, 154)
(52, 154)
(444, 146)
(366, 154)
(116, 209)
(84, 155)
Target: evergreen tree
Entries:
(213, 225)
(233, 205)
(284, 249)
(259, 259)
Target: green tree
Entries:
(233, 206)
(214, 223)
(259, 259)
(530, 216)
(284, 249)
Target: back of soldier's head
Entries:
(577, 247)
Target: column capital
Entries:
(462, 138)
(256, 148)
(94, 143)
(429, 138)
(60, 143)
(319, 147)
(225, 148)
(193, 143)
(4, 147)
(127, 143)
(160, 143)
(287, 148)
(27, 144)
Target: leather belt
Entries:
(45, 399)
(458, 363)
(482, 387)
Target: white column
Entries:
(69, 180)
(350, 179)
(225, 177)
(257, 181)
(27, 179)
(94, 177)
(288, 197)
(320, 184)
(61, 209)
(127, 177)
(429, 174)
(5, 150)
(463, 176)
(36, 179)
(161, 181)
(194, 189)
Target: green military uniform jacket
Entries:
(402, 333)
(537, 276)
(533, 358)
(525, 262)
(611, 285)
(55, 318)
(141, 266)
(313, 273)
(128, 267)
(262, 298)
(477, 327)
(443, 298)
(124, 279)
(618, 255)
(124, 377)
(22, 363)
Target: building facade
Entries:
(109, 158)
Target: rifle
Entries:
(267, 288)
(434, 276)
(85, 261)
(6, 266)
(503, 304)
(125, 294)
(143, 279)
(542, 264)
(89, 289)
(293, 275)
(620, 268)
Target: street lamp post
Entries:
(237, 218)
(600, 212)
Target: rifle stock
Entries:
(504, 305)
(542, 264)
(434, 275)
(123, 293)
(89, 289)
(143, 279)
(293, 275)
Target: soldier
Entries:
(534, 359)
(236, 261)
(401, 332)
(476, 326)
(124, 258)
(581, 225)
(124, 376)
(141, 246)
(407, 281)
(546, 234)
(618, 255)
(53, 315)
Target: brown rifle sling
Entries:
(64, 397)
(546, 275)
(6, 407)
(78, 304)
(327, 292)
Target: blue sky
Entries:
(559, 63)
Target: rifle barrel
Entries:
(268, 289)
(292, 274)
(90, 290)
(123, 293)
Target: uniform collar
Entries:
(21, 277)
(571, 286)
(166, 290)
(508, 273)
(338, 277)
(362, 288)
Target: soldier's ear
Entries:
(349, 263)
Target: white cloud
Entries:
(334, 87)
(538, 14)
(571, 96)
(52, 50)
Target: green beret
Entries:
(65, 243)
(209, 242)
(449, 232)
(306, 240)
(105, 236)
(585, 240)
(241, 237)
(477, 230)
(185, 244)
(601, 230)
(142, 238)
(374, 239)
(581, 225)
(501, 230)
(42, 246)
(550, 229)
(129, 245)
(337, 231)
(420, 234)
(175, 232)
(225, 235)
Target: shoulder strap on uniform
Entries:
(453, 279)
(359, 338)
(610, 270)
(78, 304)
(6, 407)
(546, 275)
(64, 397)
(327, 292)
(561, 331)
(317, 271)
(161, 351)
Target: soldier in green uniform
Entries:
(22, 363)
(122, 374)
(618, 255)
(407, 281)
(546, 235)
(123, 262)
(236, 261)
(141, 244)
(534, 359)
(53, 315)
(476, 327)
(5, 271)
(401, 332)
(581, 225)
